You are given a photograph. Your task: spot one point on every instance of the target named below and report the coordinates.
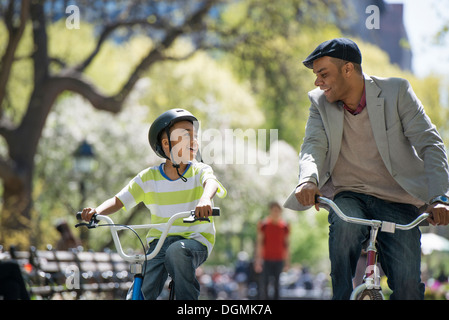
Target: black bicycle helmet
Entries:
(163, 123)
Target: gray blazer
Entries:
(408, 142)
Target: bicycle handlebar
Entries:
(386, 226)
(189, 217)
(192, 218)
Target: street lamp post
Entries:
(84, 159)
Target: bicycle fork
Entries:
(371, 279)
(137, 269)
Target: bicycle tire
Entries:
(371, 294)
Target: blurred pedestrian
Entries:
(68, 239)
(272, 250)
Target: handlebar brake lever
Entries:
(89, 225)
(82, 224)
(93, 223)
(193, 218)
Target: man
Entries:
(370, 145)
(272, 253)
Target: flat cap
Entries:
(341, 48)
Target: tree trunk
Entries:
(15, 219)
(15, 223)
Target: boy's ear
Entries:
(165, 145)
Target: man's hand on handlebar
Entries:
(439, 214)
(306, 194)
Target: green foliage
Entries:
(277, 38)
(204, 86)
(311, 232)
(70, 45)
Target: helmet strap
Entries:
(174, 164)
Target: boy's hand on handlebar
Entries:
(87, 214)
(305, 194)
(203, 208)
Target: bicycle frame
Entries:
(140, 258)
(137, 260)
(371, 279)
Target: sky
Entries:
(423, 19)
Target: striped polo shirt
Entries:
(165, 197)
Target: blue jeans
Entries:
(399, 252)
(179, 258)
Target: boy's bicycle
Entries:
(137, 260)
(370, 288)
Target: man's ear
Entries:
(348, 68)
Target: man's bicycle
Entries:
(370, 288)
(138, 260)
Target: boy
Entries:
(179, 184)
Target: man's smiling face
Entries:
(329, 78)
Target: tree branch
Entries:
(40, 41)
(15, 34)
(105, 34)
(75, 82)
(156, 54)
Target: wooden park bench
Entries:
(52, 274)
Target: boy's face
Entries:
(184, 142)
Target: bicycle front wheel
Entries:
(371, 294)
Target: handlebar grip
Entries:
(192, 218)
(93, 218)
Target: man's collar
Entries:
(362, 103)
